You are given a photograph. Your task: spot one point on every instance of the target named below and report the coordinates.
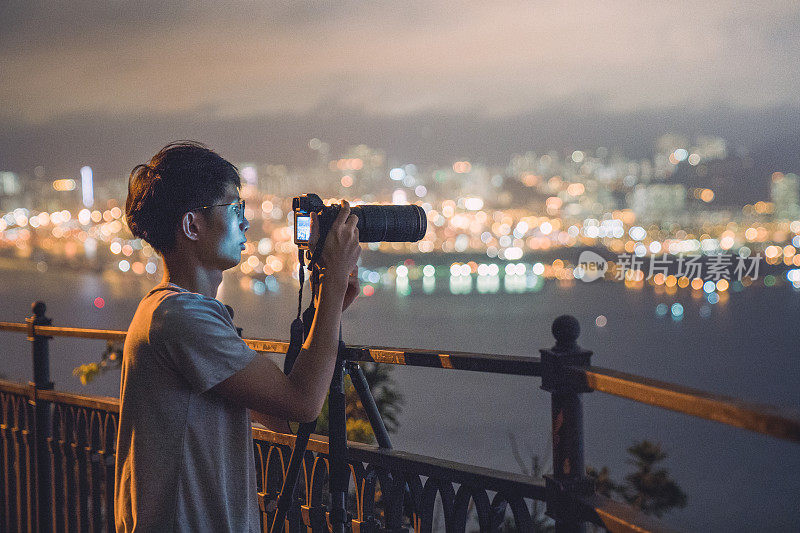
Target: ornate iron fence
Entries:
(57, 449)
(68, 483)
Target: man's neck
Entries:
(192, 277)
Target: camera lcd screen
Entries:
(302, 228)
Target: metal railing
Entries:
(57, 449)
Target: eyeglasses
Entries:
(238, 208)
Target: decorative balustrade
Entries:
(57, 449)
(78, 465)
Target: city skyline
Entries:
(536, 206)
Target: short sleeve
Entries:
(199, 339)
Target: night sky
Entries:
(107, 83)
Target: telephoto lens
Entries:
(390, 223)
(376, 223)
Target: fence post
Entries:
(41, 381)
(569, 473)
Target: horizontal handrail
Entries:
(477, 362)
(769, 420)
(618, 517)
(11, 326)
(760, 418)
(104, 403)
(53, 331)
(20, 389)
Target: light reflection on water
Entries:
(428, 284)
(460, 284)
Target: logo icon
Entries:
(591, 266)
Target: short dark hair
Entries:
(182, 176)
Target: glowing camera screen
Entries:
(303, 228)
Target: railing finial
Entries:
(38, 308)
(566, 330)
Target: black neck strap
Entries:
(315, 256)
(300, 326)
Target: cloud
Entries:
(247, 58)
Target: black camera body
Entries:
(376, 223)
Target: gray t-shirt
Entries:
(184, 454)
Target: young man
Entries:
(184, 458)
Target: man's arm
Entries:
(261, 386)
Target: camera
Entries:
(376, 223)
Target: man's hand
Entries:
(341, 248)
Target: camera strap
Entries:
(301, 325)
(297, 331)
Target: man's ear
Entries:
(190, 225)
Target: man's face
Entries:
(225, 231)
